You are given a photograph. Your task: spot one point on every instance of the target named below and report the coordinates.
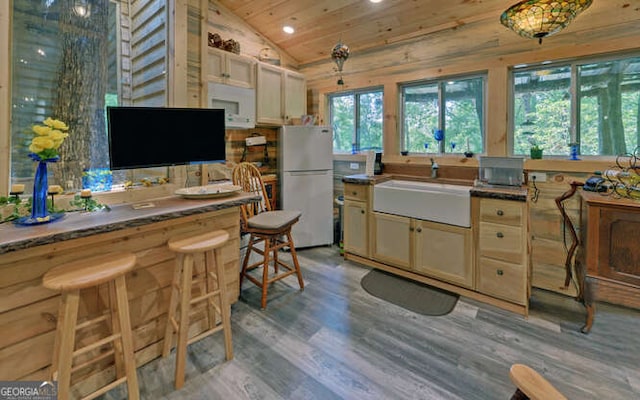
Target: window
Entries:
(455, 107)
(72, 74)
(602, 117)
(357, 120)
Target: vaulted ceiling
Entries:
(360, 24)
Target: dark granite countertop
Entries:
(362, 179)
(80, 224)
(516, 193)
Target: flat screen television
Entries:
(142, 137)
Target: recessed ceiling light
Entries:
(288, 29)
(375, 1)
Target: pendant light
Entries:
(541, 18)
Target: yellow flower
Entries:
(35, 149)
(43, 141)
(56, 124)
(42, 130)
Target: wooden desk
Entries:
(28, 311)
(611, 255)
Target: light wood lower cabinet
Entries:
(444, 251)
(356, 227)
(428, 248)
(503, 262)
(392, 239)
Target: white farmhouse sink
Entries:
(431, 201)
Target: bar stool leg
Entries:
(173, 304)
(116, 328)
(67, 320)
(225, 309)
(294, 256)
(265, 272)
(183, 330)
(127, 339)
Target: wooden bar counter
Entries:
(28, 311)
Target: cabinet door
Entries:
(216, 66)
(295, 95)
(240, 71)
(356, 229)
(392, 239)
(443, 251)
(270, 102)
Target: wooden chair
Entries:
(271, 227)
(212, 290)
(82, 274)
(531, 385)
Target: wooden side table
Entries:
(610, 238)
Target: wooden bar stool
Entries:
(211, 283)
(69, 279)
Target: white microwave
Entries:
(239, 104)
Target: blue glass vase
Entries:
(39, 212)
(40, 186)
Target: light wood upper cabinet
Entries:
(295, 95)
(281, 95)
(230, 69)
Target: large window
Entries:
(357, 120)
(66, 65)
(603, 117)
(443, 116)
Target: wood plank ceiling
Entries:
(360, 24)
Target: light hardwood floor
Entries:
(335, 341)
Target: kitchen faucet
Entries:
(434, 168)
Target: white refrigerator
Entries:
(305, 164)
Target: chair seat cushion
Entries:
(273, 219)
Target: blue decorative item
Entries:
(39, 212)
(453, 145)
(574, 151)
(97, 179)
(438, 134)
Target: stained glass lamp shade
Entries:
(541, 18)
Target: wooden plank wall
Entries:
(149, 49)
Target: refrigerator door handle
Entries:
(314, 172)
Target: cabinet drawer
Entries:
(504, 280)
(356, 192)
(501, 211)
(503, 242)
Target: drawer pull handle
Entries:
(500, 213)
(419, 230)
(354, 193)
(500, 234)
(500, 272)
(410, 229)
(361, 211)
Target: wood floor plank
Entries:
(335, 341)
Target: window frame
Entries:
(441, 82)
(356, 117)
(575, 100)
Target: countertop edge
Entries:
(192, 208)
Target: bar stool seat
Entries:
(69, 279)
(210, 280)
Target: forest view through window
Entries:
(607, 103)
(357, 120)
(443, 116)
